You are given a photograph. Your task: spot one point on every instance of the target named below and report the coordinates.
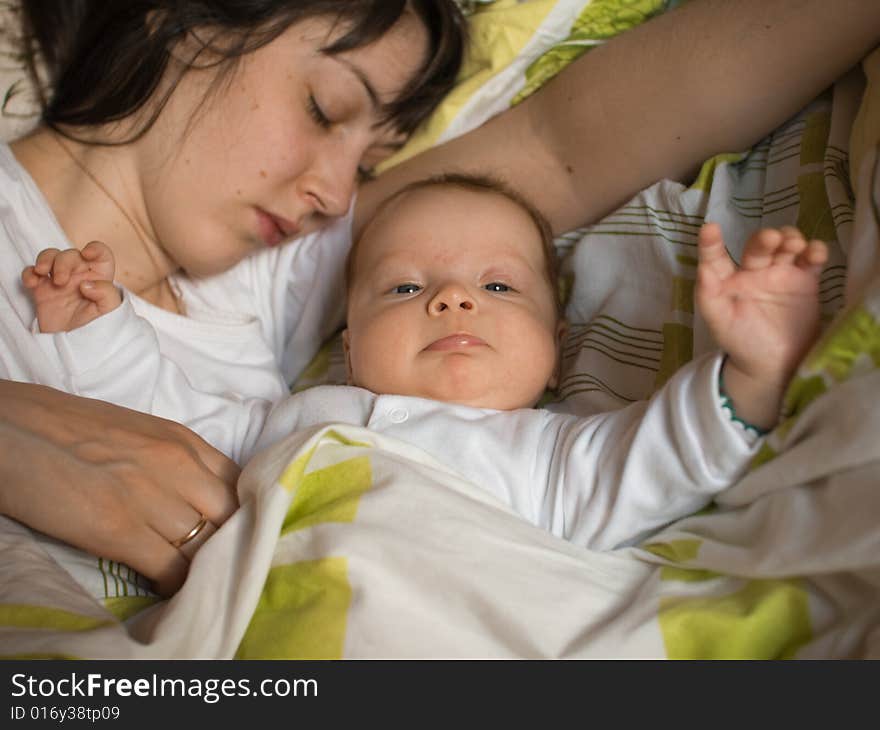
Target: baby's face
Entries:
(450, 300)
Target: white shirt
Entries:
(602, 482)
(247, 334)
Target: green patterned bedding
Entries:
(350, 544)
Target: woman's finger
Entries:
(224, 468)
(214, 498)
(213, 491)
(164, 564)
(169, 563)
(189, 548)
(173, 518)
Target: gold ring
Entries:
(191, 535)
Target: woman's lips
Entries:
(273, 229)
(458, 341)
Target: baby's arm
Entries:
(621, 475)
(764, 314)
(71, 288)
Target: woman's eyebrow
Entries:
(392, 146)
(365, 82)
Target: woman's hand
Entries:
(114, 482)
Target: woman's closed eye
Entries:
(316, 113)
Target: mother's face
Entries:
(276, 152)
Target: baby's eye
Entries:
(406, 289)
(497, 286)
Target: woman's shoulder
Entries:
(27, 224)
(9, 167)
(15, 182)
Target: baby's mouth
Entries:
(458, 341)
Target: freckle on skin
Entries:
(569, 169)
(262, 173)
(238, 193)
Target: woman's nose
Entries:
(328, 187)
(449, 298)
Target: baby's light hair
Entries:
(480, 184)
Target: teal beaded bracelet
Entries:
(727, 405)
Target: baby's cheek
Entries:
(537, 345)
(529, 364)
(376, 355)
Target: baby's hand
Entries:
(764, 315)
(71, 288)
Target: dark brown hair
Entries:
(104, 59)
(480, 184)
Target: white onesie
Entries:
(603, 481)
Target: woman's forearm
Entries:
(654, 102)
(712, 76)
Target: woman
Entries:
(258, 118)
(214, 168)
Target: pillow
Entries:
(19, 111)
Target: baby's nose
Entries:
(450, 298)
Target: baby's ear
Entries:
(561, 332)
(345, 350)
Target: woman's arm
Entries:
(656, 101)
(115, 482)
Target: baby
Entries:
(454, 333)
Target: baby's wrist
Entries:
(754, 399)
